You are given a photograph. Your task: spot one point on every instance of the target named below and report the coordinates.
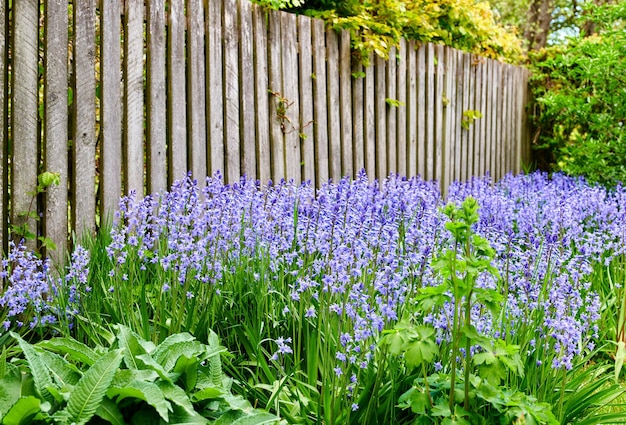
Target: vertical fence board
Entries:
(483, 120)
(345, 104)
(402, 109)
(369, 116)
(320, 117)
(4, 125)
(471, 106)
(466, 150)
(277, 104)
(133, 96)
(196, 87)
(231, 93)
(506, 119)
(305, 68)
(411, 109)
(391, 97)
(478, 141)
(448, 104)
(487, 115)
(496, 111)
(24, 111)
(156, 147)
(457, 113)
(246, 82)
(430, 111)
(421, 111)
(358, 118)
(261, 95)
(215, 89)
(334, 111)
(380, 112)
(55, 130)
(438, 107)
(176, 90)
(289, 40)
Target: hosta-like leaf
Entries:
(77, 351)
(182, 417)
(109, 411)
(146, 391)
(254, 418)
(169, 357)
(123, 377)
(129, 341)
(10, 388)
(38, 369)
(160, 353)
(23, 411)
(145, 361)
(63, 372)
(177, 396)
(92, 387)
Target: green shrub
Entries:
(580, 92)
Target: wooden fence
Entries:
(120, 95)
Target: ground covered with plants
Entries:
(355, 302)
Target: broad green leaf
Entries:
(177, 396)
(620, 355)
(10, 387)
(394, 339)
(63, 372)
(23, 411)
(209, 393)
(160, 353)
(146, 391)
(76, 350)
(129, 341)
(188, 369)
(92, 387)
(123, 377)
(255, 418)
(37, 367)
(109, 411)
(419, 351)
(441, 409)
(169, 357)
(416, 399)
(182, 417)
(145, 361)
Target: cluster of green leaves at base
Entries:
(377, 25)
(580, 101)
(132, 381)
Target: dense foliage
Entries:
(580, 91)
(377, 25)
(347, 301)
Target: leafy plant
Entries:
(469, 117)
(581, 102)
(132, 381)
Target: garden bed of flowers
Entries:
(355, 302)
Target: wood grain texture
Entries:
(232, 137)
(215, 90)
(457, 113)
(448, 106)
(411, 108)
(380, 114)
(246, 83)
(4, 125)
(278, 103)
(24, 112)
(401, 132)
(345, 104)
(156, 106)
(358, 118)
(370, 120)
(289, 41)
(305, 72)
(391, 99)
(261, 98)
(133, 167)
(320, 105)
(196, 88)
(431, 82)
(438, 108)
(56, 128)
(177, 92)
(334, 110)
(421, 111)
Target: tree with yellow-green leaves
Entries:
(376, 25)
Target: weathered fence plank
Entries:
(289, 41)
(411, 105)
(391, 108)
(261, 98)
(215, 89)
(24, 105)
(431, 81)
(305, 69)
(457, 113)
(231, 93)
(4, 126)
(177, 90)
(56, 128)
(334, 110)
(369, 114)
(156, 107)
(246, 74)
(278, 103)
(358, 117)
(402, 110)
(320, 102)
(438, 107)
(448, 105)
(421, 111)
(196, 88)
(133, 168)
(345, 103)
(380, 112)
